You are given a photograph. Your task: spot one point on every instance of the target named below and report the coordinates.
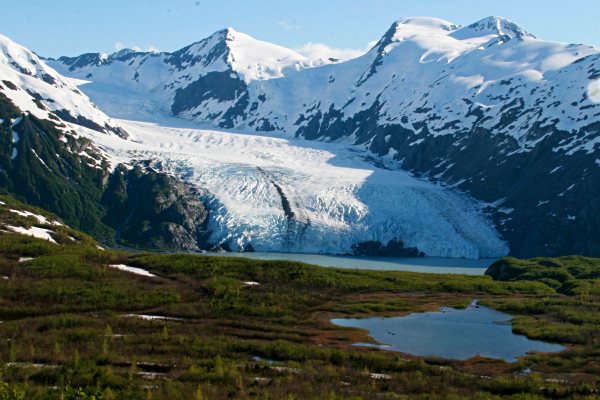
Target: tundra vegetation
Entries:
(203, 327)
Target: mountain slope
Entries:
(187, 196)
(487, 109)
(19, 218)
(35, 88)
(46, 160)
(214, 72)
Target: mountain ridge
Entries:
(47, 160)
(487, 109)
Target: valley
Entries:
(82, 322)
(234, 219)
(486, 110)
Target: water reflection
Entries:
(451, 333)
(436, 265)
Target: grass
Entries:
(570, 275)
(68, 333)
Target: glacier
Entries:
(271, 192)
(485, 111)
(336, 197)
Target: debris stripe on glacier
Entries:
(346, 199)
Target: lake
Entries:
(435, 265)
(451, 334)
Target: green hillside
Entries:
(72, 327)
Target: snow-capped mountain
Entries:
(215, 70)
(48, 160)
(190, 189)
(261, 199)
(425, 69)
(487, 109)
(37, 89)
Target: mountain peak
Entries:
(408, 27)
(492, 25)
(227, 37)
(122, 53)
(224, 34)
(230, 31)
(424, 23)
(228, 49)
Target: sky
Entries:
(342, 28)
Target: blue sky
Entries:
(71, 27)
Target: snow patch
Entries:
(133, 270)
(153, 317)
(506, 210)
(41, 219)
(16, 122)
(594, 91)
(377, 376)
(33, 231)
(40, 160)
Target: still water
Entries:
(422, 264)
(451, 334)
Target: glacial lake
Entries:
(436, 265)
(450, 334)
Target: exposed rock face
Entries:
(47, 161)
(543, 199)
(214, 85)
(46, 165)
(154, 210)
